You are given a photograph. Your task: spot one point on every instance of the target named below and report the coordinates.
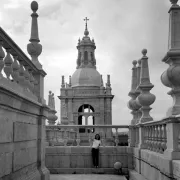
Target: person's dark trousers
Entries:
(95, 156)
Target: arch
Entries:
(86, 106)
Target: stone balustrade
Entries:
(18, 72)
(158, 136)
(71, 134)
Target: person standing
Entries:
(95, 150)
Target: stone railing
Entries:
(158, 136)
(17, 71)
(82, 135)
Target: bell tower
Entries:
(85, 100)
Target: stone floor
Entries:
(86, 177)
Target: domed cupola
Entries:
(86, 73)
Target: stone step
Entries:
(86, 177)
(107, 171)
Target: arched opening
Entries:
(81, 121)
(86, 117)
(85, 57)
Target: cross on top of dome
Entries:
(86, 32)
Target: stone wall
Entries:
(22, 137)
(71, 159)
(149, 165)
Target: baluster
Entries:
(2, 55)
(137, 136)
(116, 137)
(155, 137)
(148, 131)
(78, 137)
(151, 137)
(136, 141)
(53, 138)
(31, 80)
(134, 129)
(179, 141)
(164, 138)
(65, 137)
(8, 62)
(57, 136)
(21, 75)
(160, 139)
(15, 69)
(26, 78)
(103, 139)
(145, 136)
(90, 137)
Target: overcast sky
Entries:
(120, 28)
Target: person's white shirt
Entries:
(96, 143)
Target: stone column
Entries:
(170, 77)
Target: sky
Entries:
(120, 28)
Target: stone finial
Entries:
(145, 99)
(50, 99)
(134, 76)
(51, 113)
(144, 52)
(102, 84)
(174, 2)
(108, 84)
(70, 81)
(63, 83)
(34, 48)
(170, 77)
(132, 103)
(137, 92)
(53, 101)
(174, 27)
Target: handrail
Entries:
(89, 126)
(77, 134)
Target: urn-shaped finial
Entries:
(145, 99)
(34, 48)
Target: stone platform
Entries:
(86, 177)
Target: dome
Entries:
(86, 77)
